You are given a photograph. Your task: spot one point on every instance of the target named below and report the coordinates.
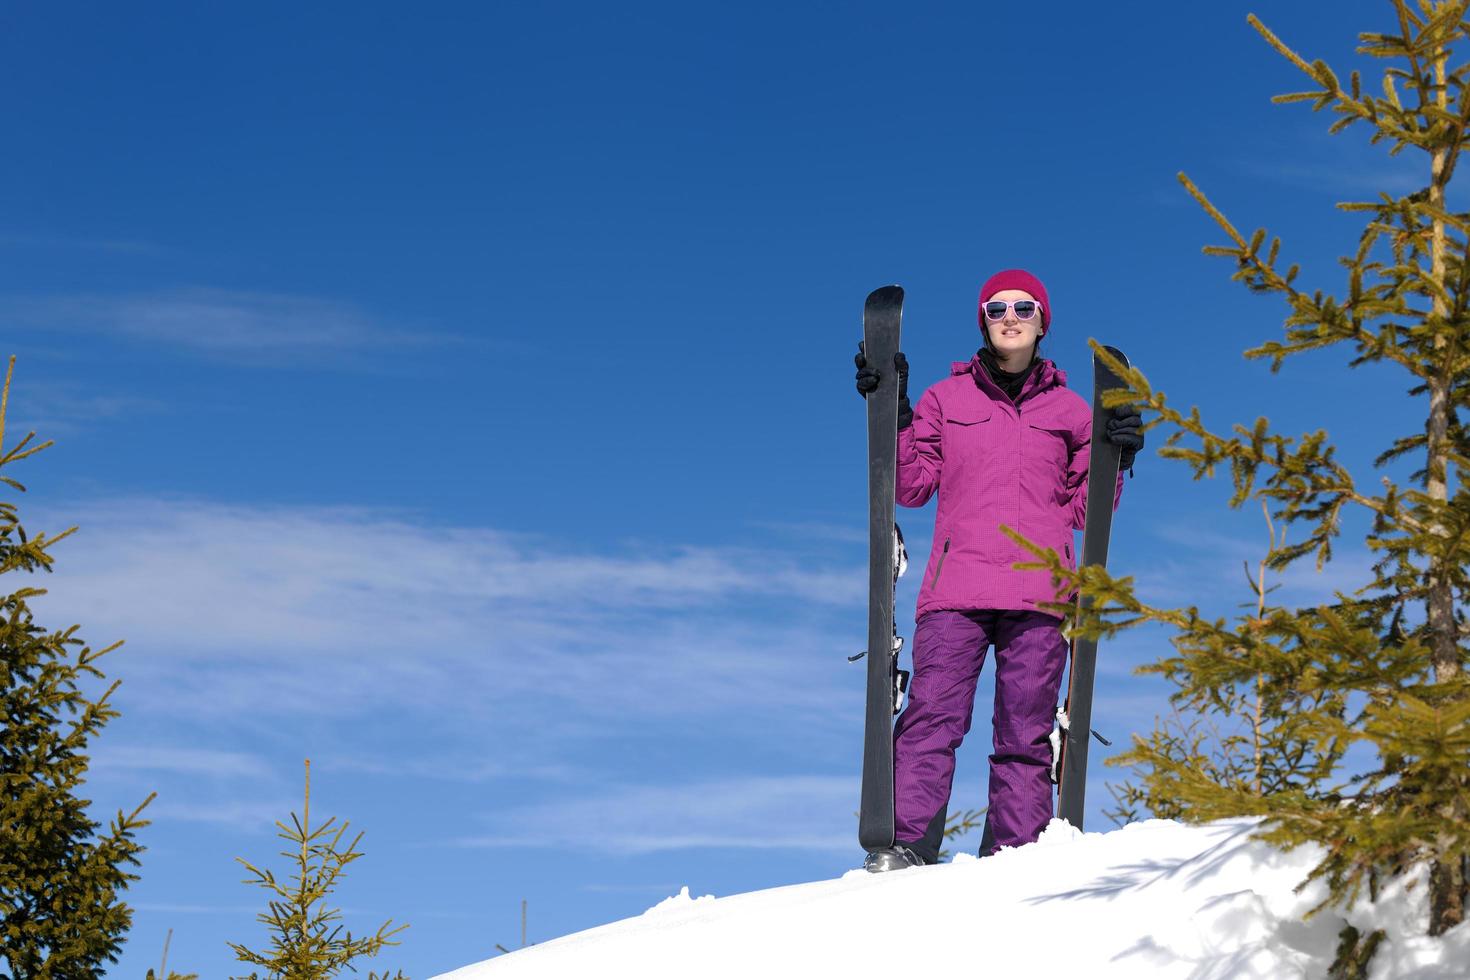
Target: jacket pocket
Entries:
(969, 414)
(1048, 444)
(967, 438)
(934, 582)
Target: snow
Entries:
(1154, 899)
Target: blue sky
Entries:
(461, 396)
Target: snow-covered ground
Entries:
(1155, 899)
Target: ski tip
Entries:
(885, 295)
(1102, 375)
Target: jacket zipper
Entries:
(940, 567)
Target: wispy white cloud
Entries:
(759, 813)
(180, 760)
(1307, 157)
(1360, 180)
(257, 613)
(817, 531)
(458, 770)
(1207, 567)
(173, 908)
(325, 576)
(255, 327)
(63, 409)
(246, 815)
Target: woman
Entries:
(1002, 441)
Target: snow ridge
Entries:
(1156, 899)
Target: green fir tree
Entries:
(61, 884)
(306, 937)
(1381, 668)
(1252, 734)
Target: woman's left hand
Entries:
(1125, 430)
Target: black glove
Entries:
(1125, 430)
(867, 382)
(867, 377)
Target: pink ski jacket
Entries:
(993, 462)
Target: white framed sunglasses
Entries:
(1025, 309)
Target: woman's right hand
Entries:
(868, 376)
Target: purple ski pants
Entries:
(949, 650)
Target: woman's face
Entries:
(1011, 335)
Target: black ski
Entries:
(1102, 479)
(882, 314)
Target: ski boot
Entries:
(894, 858)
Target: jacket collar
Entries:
(1046, 376)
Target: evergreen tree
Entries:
(1382, 667)
(1252, 734)
(307, 941)
(61, 911)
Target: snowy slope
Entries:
(1154, 899)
